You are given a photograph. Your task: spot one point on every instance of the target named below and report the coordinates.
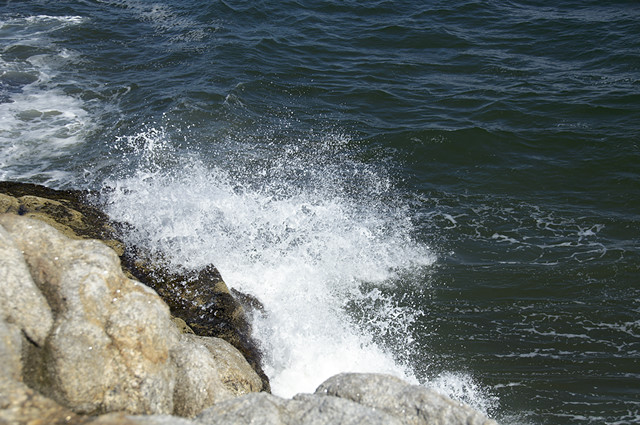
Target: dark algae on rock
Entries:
(200, 298)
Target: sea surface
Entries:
(447, 191)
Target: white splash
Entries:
(462, 386)
(301, 226)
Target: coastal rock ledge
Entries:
(82, 343)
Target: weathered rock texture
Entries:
(358, 399)
(200, 298)
(203, 301)
(63, 209)
(303, 409)
(75, 329)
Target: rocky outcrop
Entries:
(65, 210)
(77, 331)
(200, 298)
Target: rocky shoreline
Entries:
(93, 332)
(200, 300)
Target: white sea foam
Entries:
(38, 121)
(34, 28)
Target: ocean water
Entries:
(445, 191)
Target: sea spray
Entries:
(302, 225)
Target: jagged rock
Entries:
(200, 298)
(110, 344)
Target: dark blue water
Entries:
(445, 191)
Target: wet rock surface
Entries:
(203, 301)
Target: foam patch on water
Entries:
(39, 122)
(304, 227)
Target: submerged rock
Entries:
(105, 342)
(200, 298)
